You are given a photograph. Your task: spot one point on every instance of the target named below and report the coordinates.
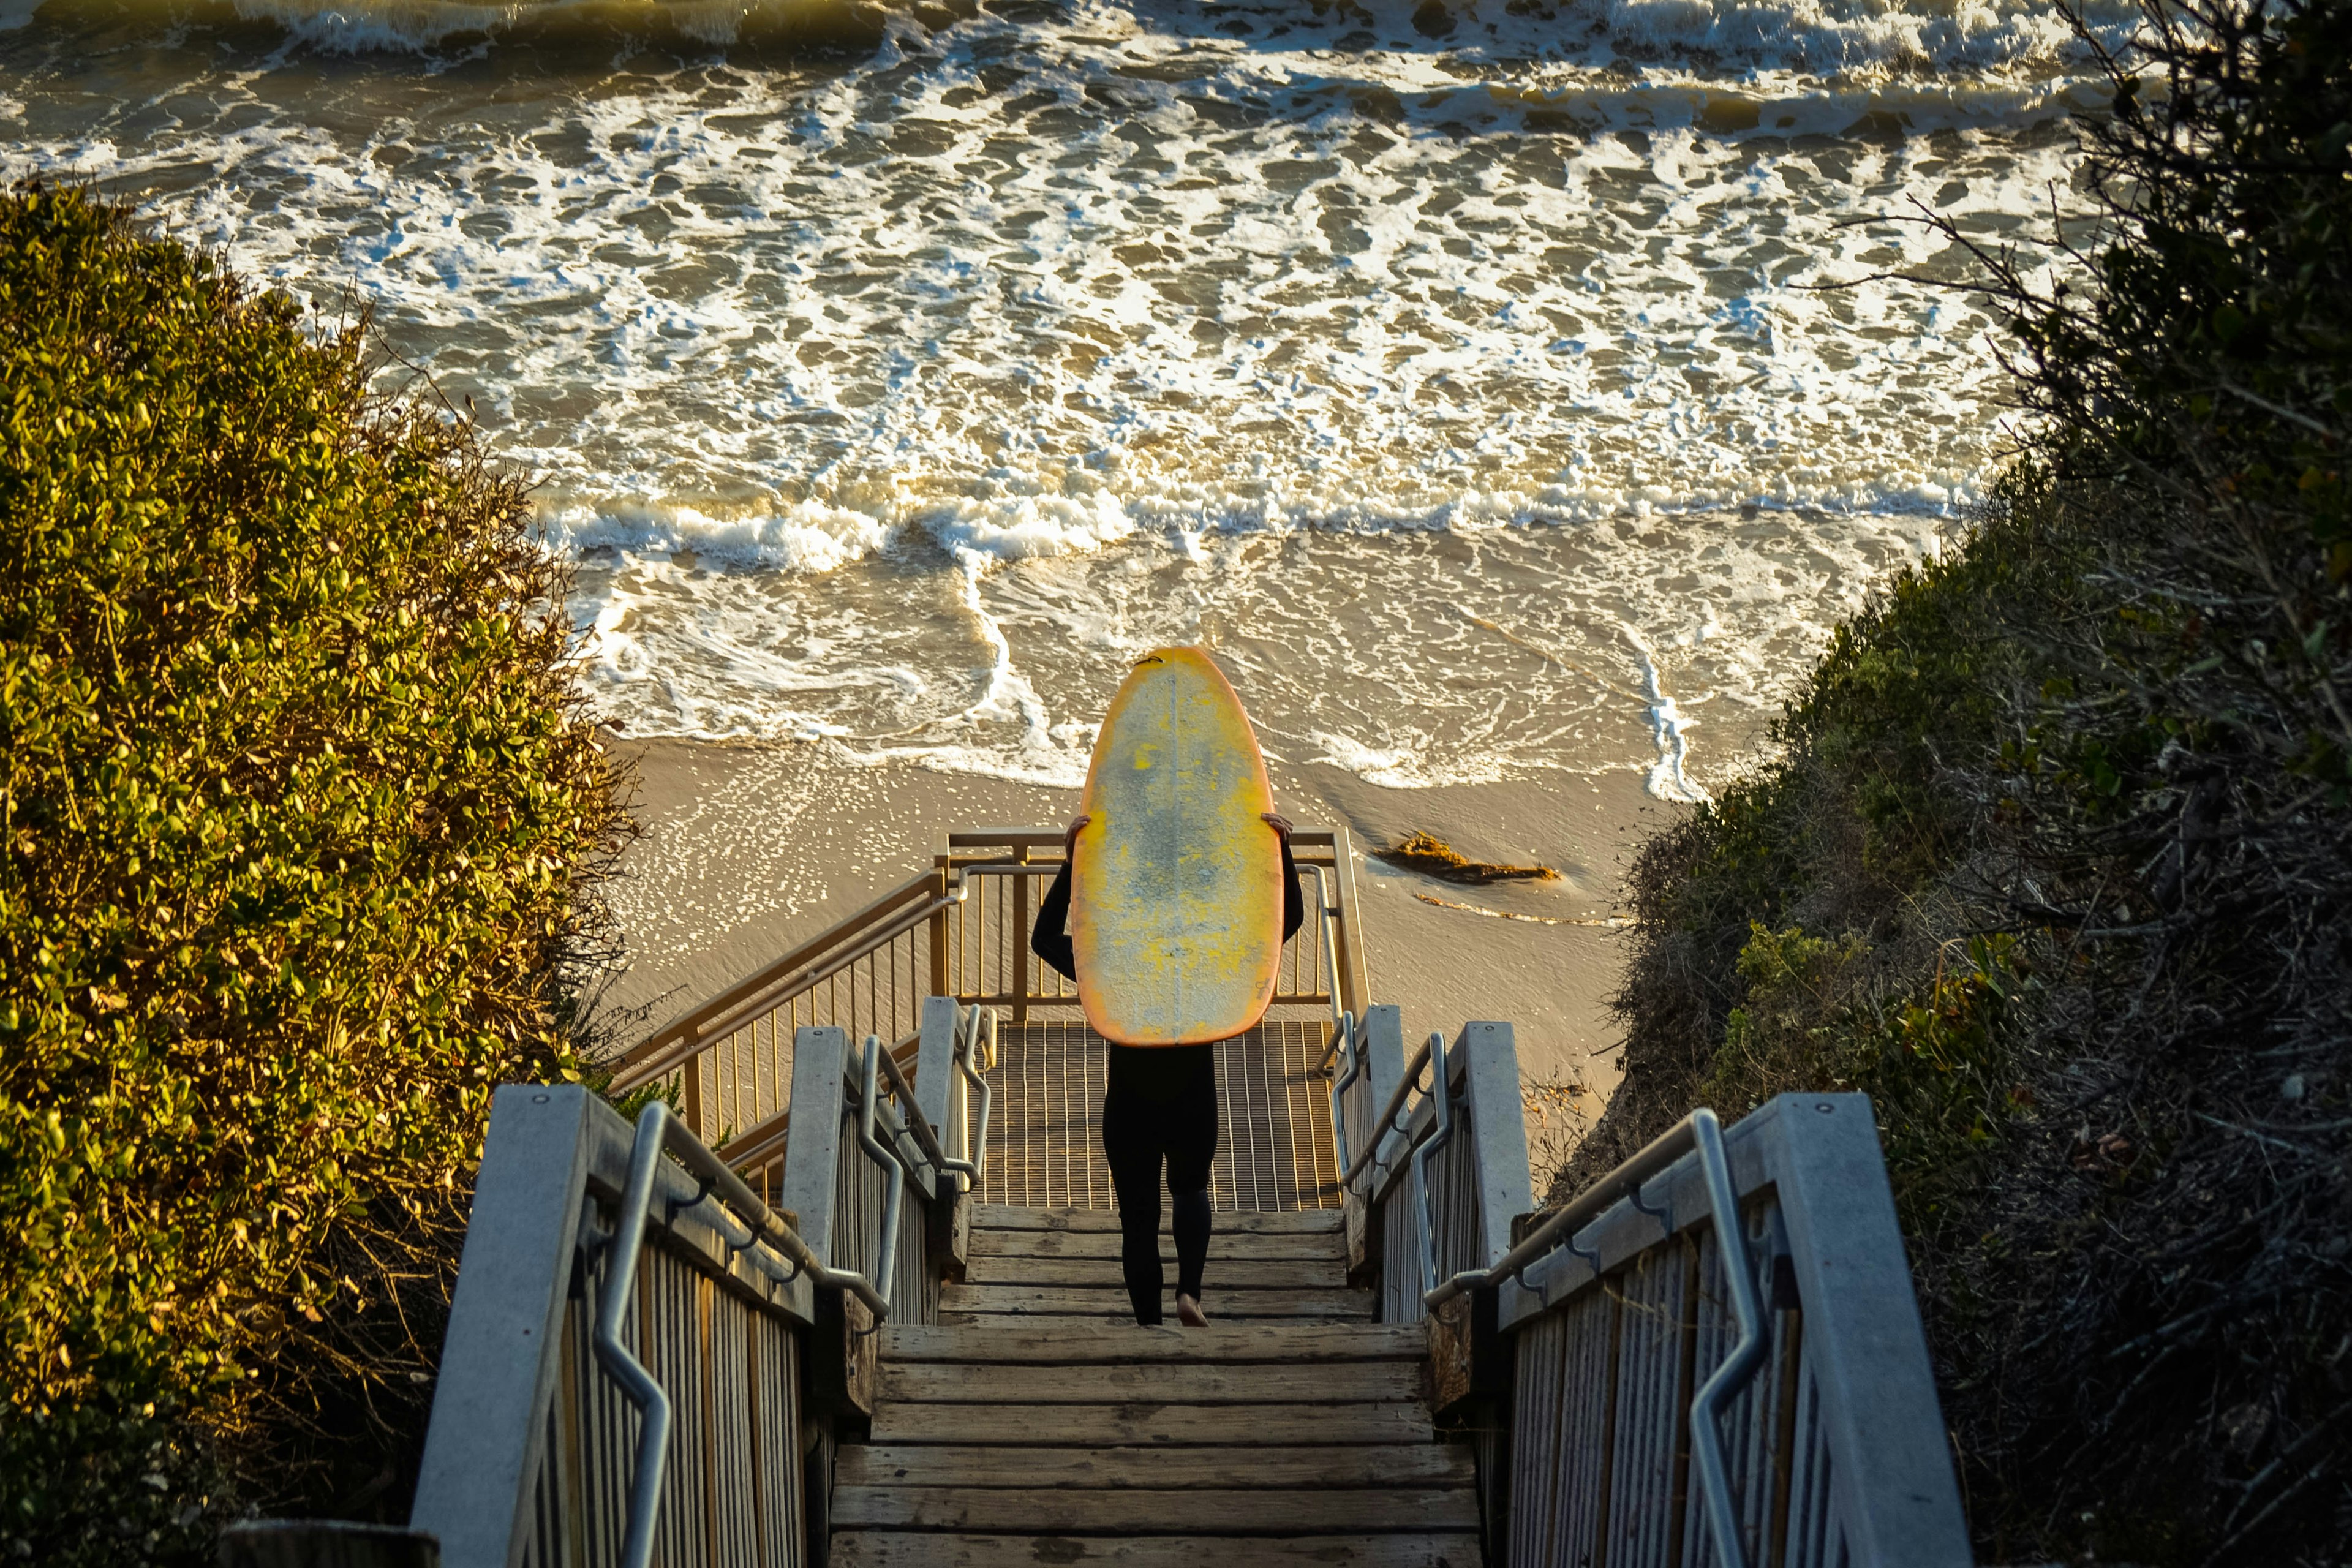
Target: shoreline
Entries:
(748, 849)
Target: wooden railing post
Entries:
(1355, 983)
(939, 1096)
(1498, 1133)
(1018, 938)
(813, 1154)
(1469, 1359)
(940, 987)
(1380, 1038)
(489, 1432)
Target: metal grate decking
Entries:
(1273, 1143)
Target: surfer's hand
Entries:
(1070, 838)
(1277, 821)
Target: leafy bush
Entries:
(2057, 863)
(298, 816)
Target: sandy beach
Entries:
(749, 848)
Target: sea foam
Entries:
(890, 399)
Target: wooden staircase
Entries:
(1063, 1265)
(1038, 1423)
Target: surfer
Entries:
(1161, 1106)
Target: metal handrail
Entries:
(694, 1040)
(1323, 913)
(1746, 1358)
(1626, 1180)
(659, 1131)
(977, 1140)
(755, 990)
(1387, 1122)
(686, 1042)
(1700, 1131)
(1441, 1097)
(636, 1384)
(927, 1138)
(1351, 1053)
(886, 1254)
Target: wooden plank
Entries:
(1225, 1315)
(1274, 1155)
(1225, 1311)
(1499, 1132)
(1346, 1382)
(1079, 1344)
(1240, 1246)
(1078, 1300)
(1038, 1512)
(924, 1549)
(1160, 1426)
(1167, 1469)
(813, 1156)
(1103, 1273)
(1004, 1217)
(1122, 1317)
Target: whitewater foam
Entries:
(889, 401)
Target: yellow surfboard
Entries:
(1176, 883)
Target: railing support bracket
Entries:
(1469, 1359)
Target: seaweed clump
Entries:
(2057, 861)
(300, 821)
(1432, 857)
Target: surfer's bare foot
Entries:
(1277, 821)
(1189, 1313)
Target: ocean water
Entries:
(1498, 387)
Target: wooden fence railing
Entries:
(959, 928)
(648, 1361)
(1712, 1357)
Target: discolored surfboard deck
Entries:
(1176, 883)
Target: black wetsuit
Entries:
(1161, 1106)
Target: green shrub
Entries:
(296, 810)
(2056, 862)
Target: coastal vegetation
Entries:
(2055, 859)
(301, 821)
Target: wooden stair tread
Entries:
(1108, 1316)
(1004, 1216)
(1104, 1273)
(1036, 1423)
(1240, 1246)
(1137, 1421)
(1180, 1384)
(895, 1549)
(1081, 1300)
(1142, 1512)
(1123, 1344)
(984, 1464)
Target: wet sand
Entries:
(748, 849)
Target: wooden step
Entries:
(1078, 1300)
(1104, 1273)
(1351, 1382)
(1243, 1245)
(893, 1549)
(1239, 1222)
(1168, 1469)
(1140, 1422)
(1044, 1512)
(1124, 1343)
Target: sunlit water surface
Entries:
(1466, 377)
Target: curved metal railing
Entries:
(745, 1221)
